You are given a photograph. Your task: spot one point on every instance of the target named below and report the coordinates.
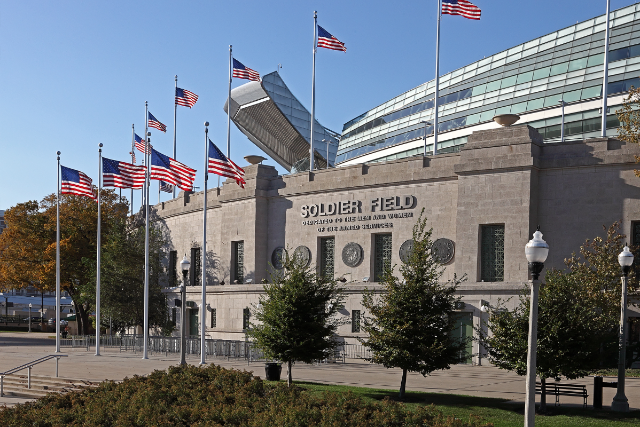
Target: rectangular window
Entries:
(492, 253)
(213, 318)
(246, 313)
(635, 233)
(195, 271)
(173, 265)
(355, 321)
(237, 260)
(174, 312)
(383, 251)
(327, 256)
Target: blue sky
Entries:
(77, 73)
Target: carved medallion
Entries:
(278, 257)
(352, 254)
(405, 250)
(444, 250)
(303, 254)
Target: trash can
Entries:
(272, 371)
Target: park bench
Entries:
(558, 389)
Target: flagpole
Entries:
(99, 247)
(435, 102)
(229, 106)
(605, 76)
(313, 88)
(146, 231)
(203, 308)
(175, 115)
(133, 138)
(174, 189)
(58, 261)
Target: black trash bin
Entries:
(272, 371)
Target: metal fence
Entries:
(215, 348)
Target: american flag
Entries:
(167, 188)
(140, 144)
(133, 157)
(242, 72)
(185, 98)
(122, 174)
(220, 165)
(155, 123)
(164, 168)
(461, 7)
(326, 40)
(76, 182)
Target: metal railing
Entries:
(29, 366)
(230, 349)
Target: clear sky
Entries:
(77, 73)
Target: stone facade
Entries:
(504, 176)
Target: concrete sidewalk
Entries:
(485, 381)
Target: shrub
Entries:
(214, 396)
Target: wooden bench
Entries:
(558, 389)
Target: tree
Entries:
(578, 314)
(297, 315)
(410, 322)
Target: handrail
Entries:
(29, 366)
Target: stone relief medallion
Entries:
(444, 250)
(303, 254)
(278, 257)
(352, 254)
(405, 250)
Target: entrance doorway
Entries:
(193, 321)
(463, 331)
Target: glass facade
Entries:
(299, 117)
(533, 76)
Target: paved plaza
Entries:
(485, 381)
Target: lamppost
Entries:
(183, 330)
(620, 402)
(536, 252)
(29, 317)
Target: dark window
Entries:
(383, 250)
(618, 54)
(196, 267)
(327, 256)
(492, 253)
(355, 321)
(591, 125)
(237, 260)
(246, 313)
(635, 233)
(173, 315)
(213, 318)
(173, 263)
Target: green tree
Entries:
(296, 315)
(578, 317)
(410, 322)
(122, 276)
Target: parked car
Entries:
(33, 319)
(52, 322)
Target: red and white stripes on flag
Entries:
(219, 164)
(139, 144)
(241, 71)
(328, 41)
(76, 182)
(171, 171)
(122, 174)
(463, 8)
(185, 98)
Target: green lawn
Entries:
(496, 411)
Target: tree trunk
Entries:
(83, 315)
(403, 383)
(289, 373)
(543, 395)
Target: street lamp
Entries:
(183, 330)
(536, 252)
(620, 402)
(29, 317)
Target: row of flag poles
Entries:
(172, 173)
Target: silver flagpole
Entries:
(229, 106)
(203, 308)
(147, 150)
(99, 247)
(133, 138)
(435, 102)
(605, 76)
(313, 87)
(175, 115)
(58, 261)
